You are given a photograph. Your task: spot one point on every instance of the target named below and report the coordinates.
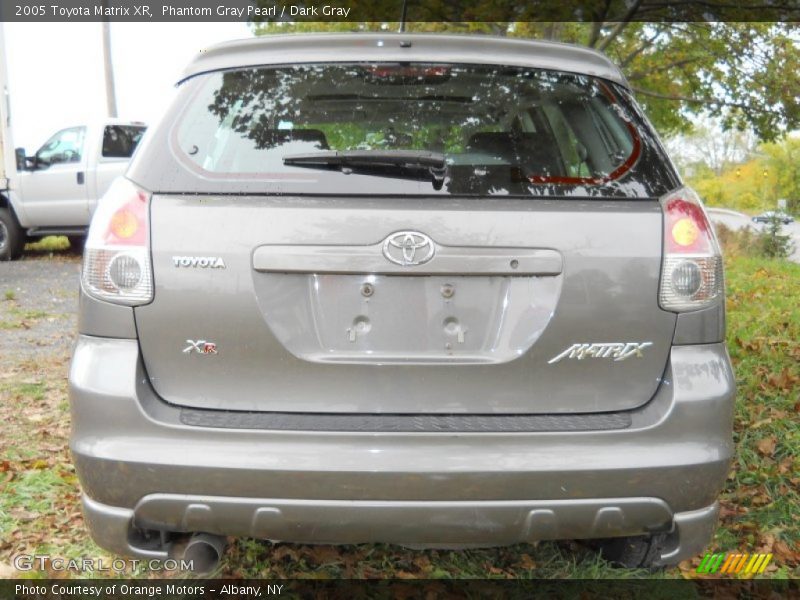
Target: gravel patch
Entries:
(38, 306)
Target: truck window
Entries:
(119, 141)
(66, 146)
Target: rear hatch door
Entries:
(523, 307)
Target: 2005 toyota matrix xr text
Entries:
(438, 291)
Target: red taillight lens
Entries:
(116, 259)
(691, 273)
(128, 224)
(687, 228)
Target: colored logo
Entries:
(734, 563)
(200, 347)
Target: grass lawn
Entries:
(39, 494)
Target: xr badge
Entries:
(200, 347)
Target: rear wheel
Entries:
(636, 552)
(12, 237)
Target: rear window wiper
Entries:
(389, 163)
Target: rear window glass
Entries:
(501, 130)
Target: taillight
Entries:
(116, 259)
(691, 274)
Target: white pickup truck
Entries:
(55, 191)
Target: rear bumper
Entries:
(429, 524)
(140, 466)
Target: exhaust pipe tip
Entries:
(204, 550)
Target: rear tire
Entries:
(12, 237)
(636, 552)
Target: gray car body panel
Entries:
(116, 528)
(701, 326)
(677, 447)
(391, 47)
(674, 458)
(104, 319)
(312, 342)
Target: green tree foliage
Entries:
(755, 185)
(773, 242)
(783, 161)
(747, 74)
(770, 242)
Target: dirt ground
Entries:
(39, 494)
(38, 306)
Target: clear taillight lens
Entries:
(691, 274)
(116, 259)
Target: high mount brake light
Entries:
(116, 259)
(407, 73)
(691, 273)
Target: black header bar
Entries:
(390, 11)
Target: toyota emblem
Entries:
(408, 248)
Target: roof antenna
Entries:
(403, 17)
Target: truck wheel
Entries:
(637, 552)
(12, 237)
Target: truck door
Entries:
(55, 193)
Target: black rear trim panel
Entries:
(418, 423)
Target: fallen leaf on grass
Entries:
(726, 510)
(423, 563)
(755, 344)
(766, 446)
(785, 554)
(404, 575)
(760, 500)
(766, 542)
(323, 554)
(784, 381)
(369, 572)
(497, 572)
(23, 515)
(284, 551)
(526, 562)
(53, 448)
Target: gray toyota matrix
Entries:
(438, 291)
